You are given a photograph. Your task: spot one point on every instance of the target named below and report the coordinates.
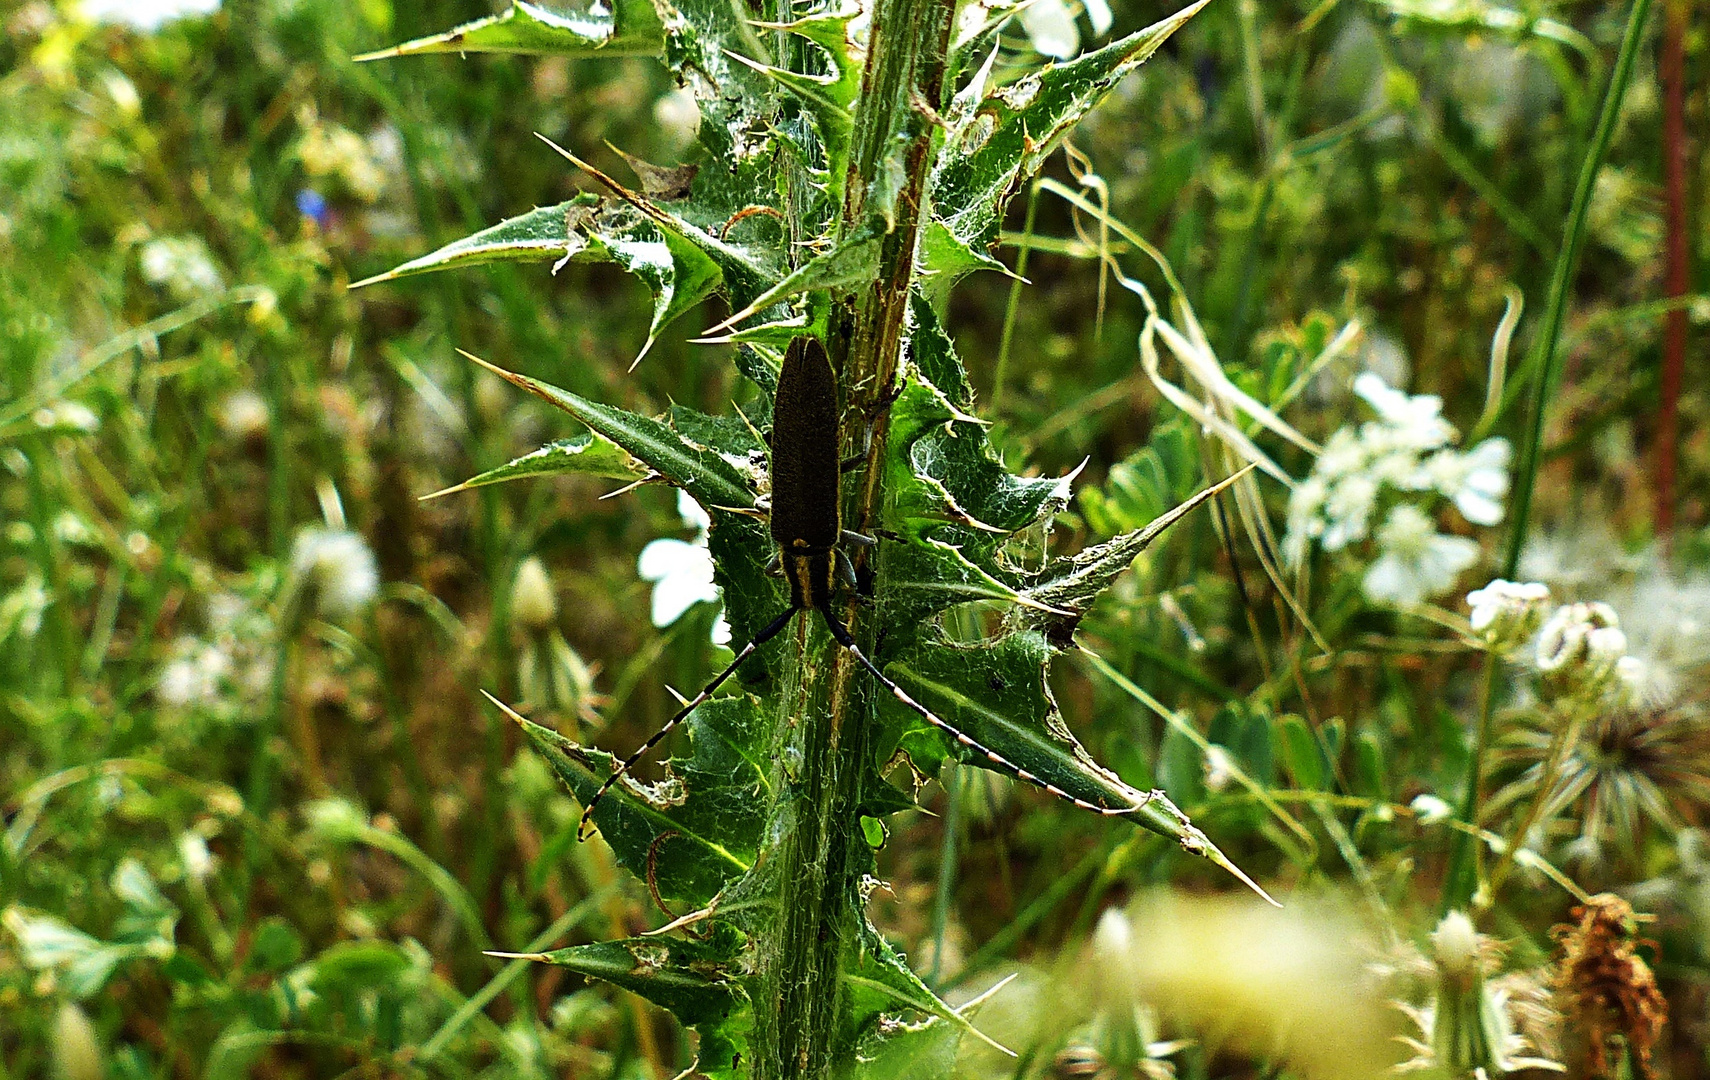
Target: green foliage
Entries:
(258, 821)
(950, 499)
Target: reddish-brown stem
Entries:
(1672, 69)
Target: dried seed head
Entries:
(1605, 986)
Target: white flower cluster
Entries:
(1406, 449)
(146, 14)
(334, 151)
(339, 566)
(682, 571)
(1051, 28)
(181, 265)
(231, 668)
(1505, 613)
(1580, 650)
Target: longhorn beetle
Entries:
(807, 526)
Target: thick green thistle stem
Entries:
(818, 853)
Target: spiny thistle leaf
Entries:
(695, 980)
(632, 28)
(703, 473)
(854, 261)
(882, 982)
(700, 829)
(588, 454)
(945, 259)
(998, 138)
(947, 470)
(747, 270)
(1069, 586)
(827, 98)
(546, 232)
(925, 1051)
(926, 577)
(995, 692)
(587, 229)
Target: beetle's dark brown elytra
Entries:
(807, 526)
(806, 516)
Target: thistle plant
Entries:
(854, 164)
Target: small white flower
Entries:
(1567, 637)
(146, 14)
(1099, 14)
(181, 265)
(682, 572)
(1417, 419)
(1477, 481)
(1417, 561)
(1343, 453)
(1050, 26)
(340, 567)
(1455, 945)
(1349, 510)
(1429, 809)
(194, 854)
(194, 675)
(1391, 457)
(1580, 651)
(243, 414)
(1505, 613)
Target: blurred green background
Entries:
(259, 821)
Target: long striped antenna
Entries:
(845, 639)
(770, 631)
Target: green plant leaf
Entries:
(546, 232)
(926, 576)
(881, 983)
(925, 1051)
(999, 137)
(852, 262)
(703, 473)
(588, 454)
(698, 830)
(741, 548)
(995, 693)
(696, 981)
(84, 962)
(1181, 768)
(633, 28)
(675, 267)
(827, 98)
(945, 259)
(1302, 754)
(976, 489)
(1371, 778)
(1072, 584)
